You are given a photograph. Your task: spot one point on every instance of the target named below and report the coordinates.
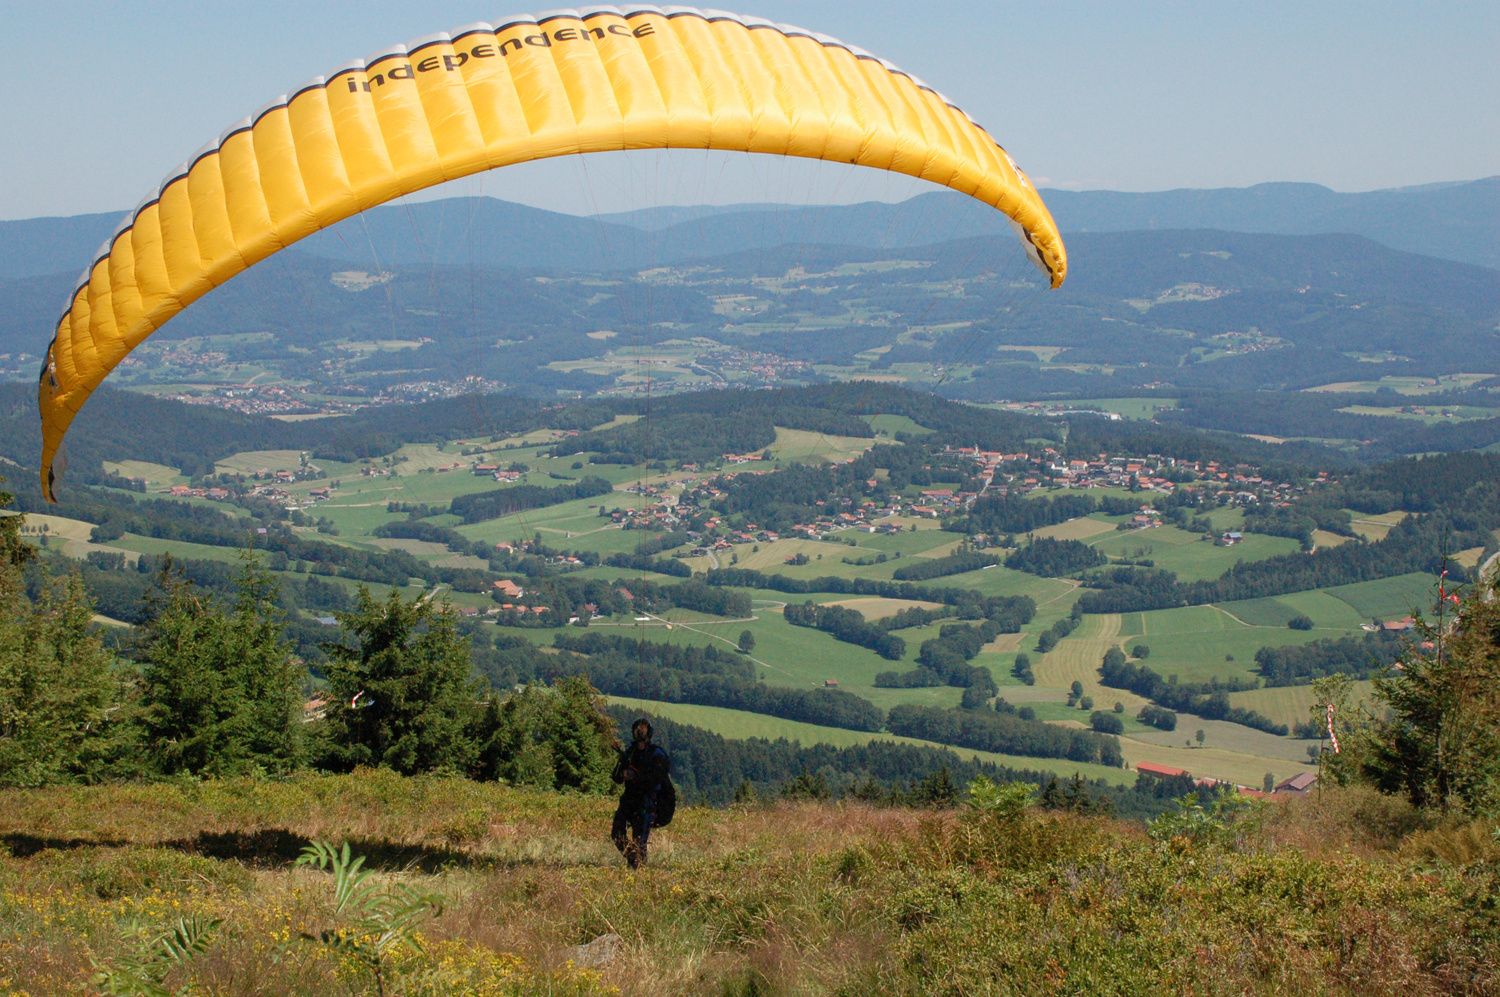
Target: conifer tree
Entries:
(1439, 743)
(219, 689)
(58, 695)
(558, 738)
(583, 737)
(403, 696)
(14, 552)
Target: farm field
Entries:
(1199, 643)
(802, 446)
(1373, 526)
(1328, 612)
(739, 724)
(261, 461)
(1323, 538)
(1082, 528)
(1130, 408)
(890, 425)
(1389, 598)
(177, 548)
(879, 609)
(155, 475)
(1193, 558)
(1290, 704)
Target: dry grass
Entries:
(792, 898)
(1075, 529)
(878, 609)
(252, 461)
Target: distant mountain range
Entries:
(1453, 221)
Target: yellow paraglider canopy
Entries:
(447, 106)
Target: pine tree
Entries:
(219, 690)
(1440, 742)
(59, 700)
(937, 790)
(404, 698)
(1076, 796)
(582, 737)
(1052, 796)
(14, 552)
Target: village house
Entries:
(1298, 785)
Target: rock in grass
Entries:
(599, 952)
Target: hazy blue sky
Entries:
(105, 97)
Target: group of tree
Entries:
(937, 567)
(208, 685)
(1158, 717)
(1436, 737)
(848, 625)
(1299, 664)
(480, 506)
(995, 515)
(1298, 522)
(1050, 558)
(914, 616)
(1010, 612)
(1061, 628)
(565, 597)
(213, 689)
(1206, 699)
(944, 660)
(983, 730)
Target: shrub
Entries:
(1106, 723)
(1300, 622)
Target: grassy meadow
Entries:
(1338, 894)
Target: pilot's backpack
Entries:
(666, 800)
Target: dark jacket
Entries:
(651, 767)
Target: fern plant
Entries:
(375, 925)
(144, 973)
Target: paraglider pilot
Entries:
(641, 769)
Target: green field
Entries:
(739, 724)
(1130, 408)
(1327, 612)
(804, 447)
(1193, 558)
(1196, 643)
(1389, 598)
(890, 425)
(1291, 704)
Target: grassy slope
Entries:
(790, 898)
